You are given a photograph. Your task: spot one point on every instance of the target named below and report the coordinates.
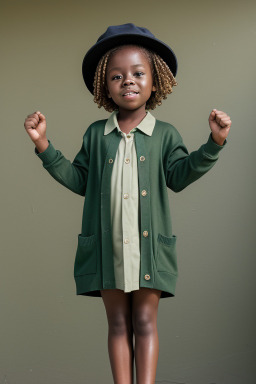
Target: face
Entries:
(129, 79)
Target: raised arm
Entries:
(183, 168)
(71, 175)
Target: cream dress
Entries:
(125, 205)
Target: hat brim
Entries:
(95, 53)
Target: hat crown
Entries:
(128, 28)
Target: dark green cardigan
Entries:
(167, 163)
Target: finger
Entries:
(222, 115)
(220, 118)
(212, 115)
(218, 111)
(34, 115)
(32, 120)
(225, 123)
(30, 126)
(41, 116)
(217, 119)
(226, 119)
(31, 123)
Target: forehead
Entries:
(129, 54)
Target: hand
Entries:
(220, 124)
(35, 125)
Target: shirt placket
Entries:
(126, 204)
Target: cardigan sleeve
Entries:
(71, 175)
(183, 168)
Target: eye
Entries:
(139, 74)
(116, 77)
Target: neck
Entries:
(130, 120)
(131, 117)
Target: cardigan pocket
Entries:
(86, 256)
(166, 259)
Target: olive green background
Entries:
(207, 331)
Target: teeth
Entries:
(130, 93)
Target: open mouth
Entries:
(130, 93)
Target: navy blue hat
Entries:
(116, 35)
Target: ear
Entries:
(153, 88)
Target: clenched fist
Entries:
(220, 124)
(35, 125)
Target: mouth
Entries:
(130, 93)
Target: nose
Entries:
(128, 82)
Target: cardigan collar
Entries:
(146, 125)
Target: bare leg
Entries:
(144, 314)
(120, 334)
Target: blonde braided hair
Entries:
(163, 80)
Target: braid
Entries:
(163, 80)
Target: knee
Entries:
(143, 323)
(119, 325)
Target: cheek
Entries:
(107, 82)
(144, 82)
(147, 84)
(108, 89)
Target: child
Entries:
(126, 252)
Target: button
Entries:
(142, 158)
(110, 161)
(144, 192)
(126, 195)
(145, 233)
(128, 136)
(147, 277)
(126, 241)
(127, 161)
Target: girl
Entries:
(126, 252)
